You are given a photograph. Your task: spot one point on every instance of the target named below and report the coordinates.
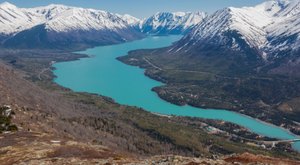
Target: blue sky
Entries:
(142, 8)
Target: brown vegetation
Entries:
(58, 126)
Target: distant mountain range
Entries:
(252, 37)
(164, 23)
(63, 27)
(58, 26)
(265, 32)
(268, 30)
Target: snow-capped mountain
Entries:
(13, 19)
(64, 25)
(266, 30)
(130, 20)
(171, 23)
(284, 33)
(79, 18)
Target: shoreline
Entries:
(270, 124)
(201, 107)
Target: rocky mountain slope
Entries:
(267, 31)
(62, 26)
(163, 23)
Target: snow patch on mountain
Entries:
(13, 19)
(171, 23)
(85, 19)
(58, 18)
(130, 20)
(266, 27)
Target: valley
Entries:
(88, 86)
(51, 120)
(208, 89)
(135, 89)
(231, 61)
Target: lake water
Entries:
(103, 74)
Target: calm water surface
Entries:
(103, 74)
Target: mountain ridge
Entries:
(19, 27)
(164, 23)
(264, 28)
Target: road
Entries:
(150, 63)
(45, 69)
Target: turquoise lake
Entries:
(104, 75)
